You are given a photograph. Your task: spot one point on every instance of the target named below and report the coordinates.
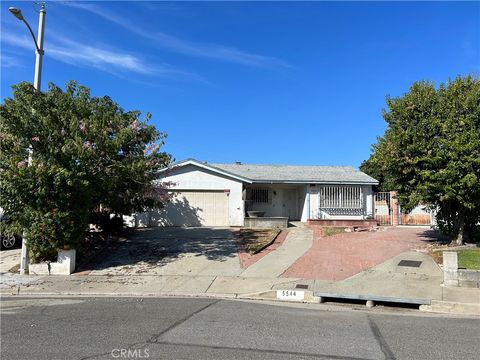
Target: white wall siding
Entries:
(420, 210)
(306, 203)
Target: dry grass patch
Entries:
(255, 240)
(15, 269)
(330, 231)
(437, 255)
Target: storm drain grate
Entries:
(410, 263)
(301, 286)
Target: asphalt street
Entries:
(191, 328)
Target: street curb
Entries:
(270, 295)
(437, 306)
(117, 294)
(452, 307)
(261, 295)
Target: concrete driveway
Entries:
(174, 251)
(9, 259)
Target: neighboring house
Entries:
(419, 215)
(389, 212)
(221, 194)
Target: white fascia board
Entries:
(302, 182)
(207, 167)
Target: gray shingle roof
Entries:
(295, 173)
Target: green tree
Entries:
(88, 153)
(430, 152)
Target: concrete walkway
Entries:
(297, 243)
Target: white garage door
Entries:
(194, 208)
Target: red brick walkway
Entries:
(341, 256)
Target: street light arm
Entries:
(33, 37)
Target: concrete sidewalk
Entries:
(139, 285)
(371, 285)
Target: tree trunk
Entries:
(461, 230)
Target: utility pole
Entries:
(37, 83)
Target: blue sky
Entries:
(269, 82)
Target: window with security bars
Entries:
(341, 197)
(259, 196)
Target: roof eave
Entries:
(314, 182)
(205, 166)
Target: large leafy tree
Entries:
(430, 152)
(88, 154)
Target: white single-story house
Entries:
(209, 194)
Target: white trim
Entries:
(316, 182)
(207, 167)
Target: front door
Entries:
(290, 204)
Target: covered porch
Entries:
(306, 202)
(275, 200)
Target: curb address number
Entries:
(290, 295)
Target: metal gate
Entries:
(383, 208)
